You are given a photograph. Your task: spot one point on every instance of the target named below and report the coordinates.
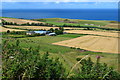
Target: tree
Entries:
(28, 24)
(66, 20)
(51, 30)
(8, 31)
(61, 28)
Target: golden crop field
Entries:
(20, 21)
(37, 27)
(2, 29)
(111, 34)
(93, 43)
(112, 25)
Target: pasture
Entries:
(61, 21)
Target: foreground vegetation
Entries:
(21, 63)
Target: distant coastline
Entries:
(84, 14)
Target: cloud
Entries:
(58, 1)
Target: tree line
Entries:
(26, 24)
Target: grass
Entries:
(72, 35)
(13, 36)
(72, 24)
(78, 21)
(65, 54)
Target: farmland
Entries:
(100, 33)
(93, 43)
(20, 21)
(37, 27)
(60, 21)
(2, 29)
(112, 25)
(66, 55)
(68, 48)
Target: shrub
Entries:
(78, 59)
(8, 31)
(19, 63)
(96, 71)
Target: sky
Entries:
(59, 5)
(60, 0)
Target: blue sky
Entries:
(59, 5)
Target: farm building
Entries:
(42, 32)
(37, 32)
(52, 34)
(30, 32)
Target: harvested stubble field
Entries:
(37, 27)
(2, 29)
(20, 21)
(110, 34)
(112, 25)
(93, 43)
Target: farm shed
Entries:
(37, 32)
(30, 32)
(52, 34)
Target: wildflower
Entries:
(98, 57)
(11, 57)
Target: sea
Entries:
(85, 14)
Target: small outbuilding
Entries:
(30, 33)
(52, 34)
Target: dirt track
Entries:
(93, 43)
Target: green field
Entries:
(66, 55)
(77, 21)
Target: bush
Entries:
(8, 31)
(95, 71)
(24, 64)
(78, 59)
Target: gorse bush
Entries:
(95, 71)
(19, 63)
